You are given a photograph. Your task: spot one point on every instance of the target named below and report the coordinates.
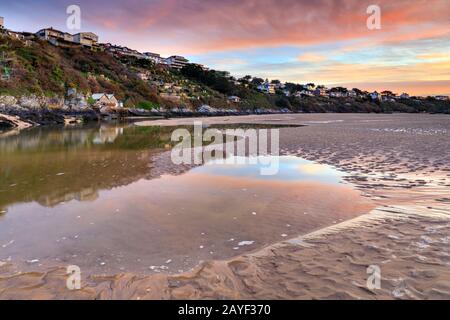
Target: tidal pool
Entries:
(93, 197)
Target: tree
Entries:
(257, 81)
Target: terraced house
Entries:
(57, 37)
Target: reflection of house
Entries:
(107, 135)
(105, 100)
(88, 194)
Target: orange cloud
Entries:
(311, 57)
(202, 26)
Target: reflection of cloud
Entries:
(311, 168)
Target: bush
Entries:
(147, 105)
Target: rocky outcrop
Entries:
(46, 111)
(8, 122)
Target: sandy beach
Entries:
(400, 163)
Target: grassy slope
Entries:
(43, 69)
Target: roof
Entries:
(97, 96)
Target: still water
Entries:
(108, 199)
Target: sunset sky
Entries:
(322, 41)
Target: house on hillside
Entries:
(57, 37)
(442, 98)
(87, 39)
(106, 100)
(54, 36)
(2, 22)
(375, 96)
(310, 86)
(303, 93)
(234, 99)
(154, 57)
(353, 94)
(404, 96)
(267, 87)
(176, 62)
(388, 96)
(320, 91)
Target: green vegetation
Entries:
(147, 105)
(42, 69)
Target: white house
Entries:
(86, 38)
(155, 57)
(404, 96)
(177, 62)
(234, 99)
(267, 87)
(375, 96)
(56, 37)
(320, 91)
(309, 86)
(106, 100)
(352, 94)
(443, 98)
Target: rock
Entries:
(6, 124)
(8, 100)
(30, 102)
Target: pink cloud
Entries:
(202, 26)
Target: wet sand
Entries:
(400, 163)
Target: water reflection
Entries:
(94, 197)
(290, 169)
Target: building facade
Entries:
(155, 57)
(57, 37)
(86, 38)
(105, 100)
(177, 62)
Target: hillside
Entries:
(45, 70)
(38, 68)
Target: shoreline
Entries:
(22, 118)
